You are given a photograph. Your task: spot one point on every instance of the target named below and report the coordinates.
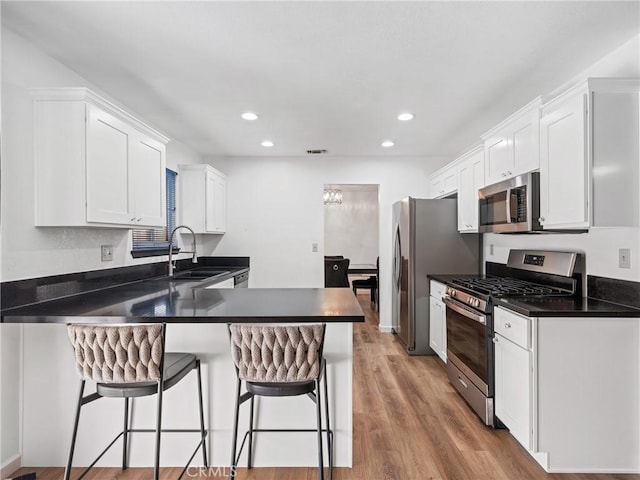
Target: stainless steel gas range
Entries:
(469, 313)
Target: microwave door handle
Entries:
(509, 194)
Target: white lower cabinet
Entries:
(95, 165)
(437, 320)
(567, 389)
(513, 388)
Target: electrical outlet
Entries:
(491, 249)
(107, 253)
(314, 247)
(624, 258)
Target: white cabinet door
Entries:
(149, 183)
(470, 179)
(203, 196)
(95, 165)
(437, 328)
(436, 187)
(525, 141)
(511, 148)
(564, 172)
(513, 389)
(444, 182)
(216, 203)
(497, 158)
(107, 169)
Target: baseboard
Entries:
(10, 466)
(385, 329)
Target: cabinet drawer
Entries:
(513, 326)
(436, 289)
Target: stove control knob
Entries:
(453, 292)
(477, 303)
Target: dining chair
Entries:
(274, 360)
(336, 273)
(370, 284)
(129, 361)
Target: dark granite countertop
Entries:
(145, 293)
(565, 307)
(534, 306)
(188, 302)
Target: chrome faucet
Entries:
(194, 258)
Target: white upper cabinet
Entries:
(202, 198)
(470, 179)
(511, 148)
(444, 182)
(590, 129)
(95, 165)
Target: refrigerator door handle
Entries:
(397, 260)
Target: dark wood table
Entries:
(360, 268)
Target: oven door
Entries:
(469, 344)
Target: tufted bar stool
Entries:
(128, 361)
(275, 360)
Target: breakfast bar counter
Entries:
(160, 300)
(196, 315)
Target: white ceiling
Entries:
(329, 75)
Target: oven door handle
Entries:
(465, 311)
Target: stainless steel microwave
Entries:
(510, 206)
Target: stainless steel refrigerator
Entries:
(426, 240)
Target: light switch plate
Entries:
(624, 258)
(107, 253)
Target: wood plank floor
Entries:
(408, 423)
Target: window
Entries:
(148, 242)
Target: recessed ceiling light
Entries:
(267, 143)
(405, 117)
(387, 144)
(249, 116)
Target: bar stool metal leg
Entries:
(156, 465)
(326, 414)
(67, 471)
(234, 440)
(250, 452)
(203, 433)
(319, 415)
(125, 435)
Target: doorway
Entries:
(351, 226)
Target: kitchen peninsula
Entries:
(196, 314)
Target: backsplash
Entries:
(599, 245)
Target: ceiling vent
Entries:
(318, 151)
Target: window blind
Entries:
(150, 239)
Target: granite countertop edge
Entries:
(587, 307)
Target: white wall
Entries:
(351, 228)
(275, 212)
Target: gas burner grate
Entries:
(505, 286)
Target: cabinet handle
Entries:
(133, 219)
(139, 220)
(495, 339)
(541, 219)
(463, 382)
(503, 174)
(507, 325)
(509, 173)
